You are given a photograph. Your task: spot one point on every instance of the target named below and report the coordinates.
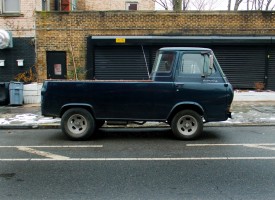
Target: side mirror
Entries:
(208, 64)
(211, 61)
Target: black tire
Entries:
(78, 124)
(187, 124)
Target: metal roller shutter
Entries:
(121, 63)
(271, 70)
(243, 65)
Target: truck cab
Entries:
(197, 78)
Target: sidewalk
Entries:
(248, 108)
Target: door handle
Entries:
(179, 85)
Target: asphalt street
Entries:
(226, 163)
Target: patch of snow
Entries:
(27, 119)
(254, 96)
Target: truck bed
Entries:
(118, 99)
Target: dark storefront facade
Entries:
(22, 49)
(245, 60)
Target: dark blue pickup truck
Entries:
(186, 88)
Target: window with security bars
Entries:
(65, 5)
(131, 5)
(9, 6)
(45, 5)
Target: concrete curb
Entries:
(58, 126)
(212, 124)
(31, 126)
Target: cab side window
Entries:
(191, 64)
(166, 62)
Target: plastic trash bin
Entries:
(16, 93)
(4, 93)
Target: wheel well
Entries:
(65, 108)
(185, 107)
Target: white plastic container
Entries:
(32, 93)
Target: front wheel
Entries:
(187, 124)
(78, 124)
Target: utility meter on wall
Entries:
(5, 39)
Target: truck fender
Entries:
(187, 105)
(88, 107)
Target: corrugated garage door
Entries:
(271, 70)
(243, 66)
(121, 63)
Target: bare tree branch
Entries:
(211, 4)
(260, 4)
(247, 5)
(268, 4)
(199, 4)
(229, 5)
(162, 3)
(204, 4)
(176, 5)
(237, 4)
(185, 4)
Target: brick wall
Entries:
(58, 31)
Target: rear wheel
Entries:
(78, 124)
(187, 124)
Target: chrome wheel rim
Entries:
(187, 125)
(77, 124)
